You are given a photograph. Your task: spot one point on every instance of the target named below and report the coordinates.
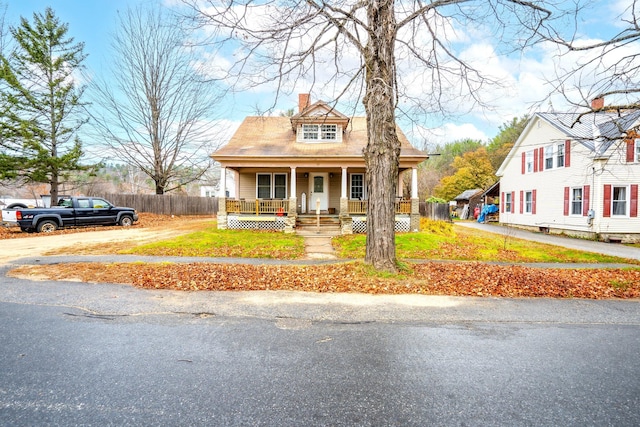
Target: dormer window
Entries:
(319, 133)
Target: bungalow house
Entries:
(576, 174)
(286, 168)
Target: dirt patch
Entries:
(94, 240)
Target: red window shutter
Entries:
(524, 161)
(521, 201)
(541, 159)
(535, 160)
(633, 206)
(533, 202)
(566, 201)
(586, 195)
(513, 202)
(567, 153)
(630, 147)
(502, 203)
(606, 211)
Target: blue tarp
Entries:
(487, 209)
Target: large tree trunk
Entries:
(383, 148)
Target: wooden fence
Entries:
(437, 211)
(166, 204)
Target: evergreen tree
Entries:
(41, 108)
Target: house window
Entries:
(271, 186)
(560, 156)
(357, 186)
(310, 132)
(319, 133)
(576, 201)
(619, 201)
(507, 202)
(548, 157)
(528, 201)
(328, 132)
(636, 152)
(264, 186)
(279, 186)
(529, 162)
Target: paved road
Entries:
(72, 353)
(612, 249)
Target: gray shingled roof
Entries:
(593, 130)
(466, 195)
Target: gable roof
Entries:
(597, 131)
(319, 112)
(275, 138)
(467, 194)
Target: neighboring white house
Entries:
(575, 174)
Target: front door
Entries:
(319, 190)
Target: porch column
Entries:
(346, 223)
(222, 200)
(343, 194)
(290, 221)
(414, 183)
(223, 182)
(293, 183)
(414, 220)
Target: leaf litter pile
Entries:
(432, 278)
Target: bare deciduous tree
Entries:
(385, 53)
(156, 112)
(601, 69)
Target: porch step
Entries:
(326, 230)
(312, 220)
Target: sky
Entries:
(523, 73)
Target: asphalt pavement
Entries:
(612, 249)
(102, 354)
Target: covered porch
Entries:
(275, 198)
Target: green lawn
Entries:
(211, 242)
(443, 241)
(437, 241)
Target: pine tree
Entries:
(41, 106)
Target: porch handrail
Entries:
(257, 206)
(360, 206)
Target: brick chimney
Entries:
(597, 103)
(303, 101)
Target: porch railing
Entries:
(257, 207)
(360, 206)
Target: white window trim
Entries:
(571, 201)
(364, 186)
(529, 159)
(508, 202)
(551, 150)
(300, 134)
(557, 152)
(627, 201)
(272, 184)
(636, 151)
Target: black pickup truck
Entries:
(74, 212)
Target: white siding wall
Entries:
(550, 185)
(615, 171)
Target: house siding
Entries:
(553, 186)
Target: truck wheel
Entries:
(126, 221)
(17, 206)
(47, 226)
